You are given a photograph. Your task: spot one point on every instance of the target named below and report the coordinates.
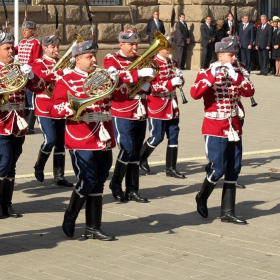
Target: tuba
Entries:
(11, 80)
(144, 60)
(98, 86)
(64, 62)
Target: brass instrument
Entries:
(184, 99)
(11, 80)
(144, 60)
(98, 85)
(64, 62)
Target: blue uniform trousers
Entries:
(129, 135)
(158, 128)
(29, 99)
(225, 158)
(92, 170)
(53, 133)
(10, 150)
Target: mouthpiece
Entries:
(95, 65)
(134, 51)
(56, 53)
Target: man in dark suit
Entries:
(207, 42)
(229, 26)
(246, 37)
(263, 43)
(154, 24)
(182, 39)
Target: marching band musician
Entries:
(12, 124)
(221, 86)
(52, 129)
(129, 117)
(28, 50)
(90, 153)
(163, 113)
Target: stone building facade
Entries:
(110, 20)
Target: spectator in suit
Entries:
(207, 42)
(219, 31)
(246, 35)
(263, 43)
(154, 24)
(182, 39)
(229, 26)
(276, 49)
(272, 65)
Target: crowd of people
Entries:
(120, 117)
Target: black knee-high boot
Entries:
(40, 165)
(202, 196)
(146, 151)
(116, 181)
(171, 161)
(7, 195)
(93, 219)
(75, 205)
(2, 183)
(30, 119)
(132, 184)
(228, 205)
(58, 170)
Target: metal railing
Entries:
(21, 2)
(105, 2)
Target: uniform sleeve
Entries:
(36, 84)
(40, 70)
(36, 52)
(245, 86)
(60, 106)
(202, 84)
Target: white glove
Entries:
(176, 81)
(231, 71)
(113, 72)
(214, 69)
(27, 69)
(67, 71)
(146, 87)
(146, 72)
(179, 72)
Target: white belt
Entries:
(10, 107)
(140, 96)
(220, 115)
(42, 95)
(95, 117)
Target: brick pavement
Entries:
(166, 238)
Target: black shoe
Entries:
(39, 173)
(30, 131)
(98, 234)
(62, 182)
(260, 74)
(264, 74)
(68, 224)
(201, 206)
(229, 217)
(118, 194)
(135, 196)
(174, 173)
(144, 165)
(238, 185)
(13, 213)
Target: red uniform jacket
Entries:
(28, 50)
(221, 97)
(85, 134)
(163, 102)
(42, 68)
(12, 111)
(122, 106)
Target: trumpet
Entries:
(184, 99)
(253, 102)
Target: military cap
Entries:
(6, 38)
(128, 36)
(28, 25)
(51, 40)
(228, 44)
(276, 19)
(85, 47)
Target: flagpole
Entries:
(16, 21)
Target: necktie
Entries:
(156, 23)
(262, 27)
(244, 26)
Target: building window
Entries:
(270, 8)
(105, 2)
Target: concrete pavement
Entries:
(166, 238)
